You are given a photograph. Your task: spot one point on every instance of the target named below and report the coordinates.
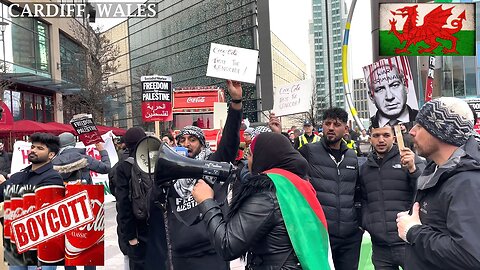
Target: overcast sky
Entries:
(289, 21)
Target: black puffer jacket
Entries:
(386, 191)
(449, 198)
(335, 185)
(255, 225)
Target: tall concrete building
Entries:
(360, 98)
(329, 19)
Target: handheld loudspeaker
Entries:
(155, 157)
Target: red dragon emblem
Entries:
(434, 27)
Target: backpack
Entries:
(141, 186)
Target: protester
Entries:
(191, 248)
(134, 235)
(352, 144)
(169, 140)
(75, 165)
(442, 229)
(333, 171)
(267, 217)
(388, 90)
(364, 137)
(5, 163)
(247, 139)
(388, 181)
(40, 173)
(121, 147)
(307, 137)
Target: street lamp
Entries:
(3, 27)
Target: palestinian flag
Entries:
(304, 219)
(427, 29)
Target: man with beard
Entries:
(40, 173)
(333, 171)
(442, 229)
(388, 180)
(191, 247)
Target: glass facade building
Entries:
(329, 19)
(177, 44)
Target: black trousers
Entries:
(346, 251)
(388, 258)
(205, 262)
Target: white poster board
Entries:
(219, 114)
(292, 98)
(21, 150)
(232, 63)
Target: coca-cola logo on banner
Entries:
(195, 99)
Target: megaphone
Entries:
(155, 157)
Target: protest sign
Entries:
(232, 63)
(21, 149)
(219, 114)
(475, 104)
(156, 98)
(292, 98)
(51, 221)
(86, 129)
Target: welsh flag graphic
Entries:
(427, 29)
(304, 219)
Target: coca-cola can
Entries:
(50, 252)
(16, 204)
(85, 245)
(7, 218)
(30, 256)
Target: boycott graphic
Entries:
(156, 98)
(55, 224)
(86, 129)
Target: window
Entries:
(71, 59)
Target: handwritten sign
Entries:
(156, 98)
(232, 63)
(292, 98)
(86, 129)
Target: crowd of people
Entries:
(296, 200)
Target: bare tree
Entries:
(99, 59)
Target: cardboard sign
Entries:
(156, 98)
(51, 221)
(292, 98)
(86, 129)
(220, 112)
(232, 63)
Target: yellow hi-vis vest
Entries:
(303, 140)
(351, 145)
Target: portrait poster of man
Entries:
(391, 92)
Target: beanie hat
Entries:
(67, 139)
(192, 131)
(448, 119)
(260, 129)
(133, 136)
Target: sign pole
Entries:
(157, 129)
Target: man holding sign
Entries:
(388, 181)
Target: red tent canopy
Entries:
(27, 127)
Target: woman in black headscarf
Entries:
(255, 222)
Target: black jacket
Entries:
(386, 190)
(193, 240)
(42, 176)
(449, 198)
(5, 163)
(335, 186)
(255, 225)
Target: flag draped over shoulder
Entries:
(304, 219)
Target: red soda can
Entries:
(7, 218)
(53, 250)
(30, 256)
(85, 245)
(16, 204)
